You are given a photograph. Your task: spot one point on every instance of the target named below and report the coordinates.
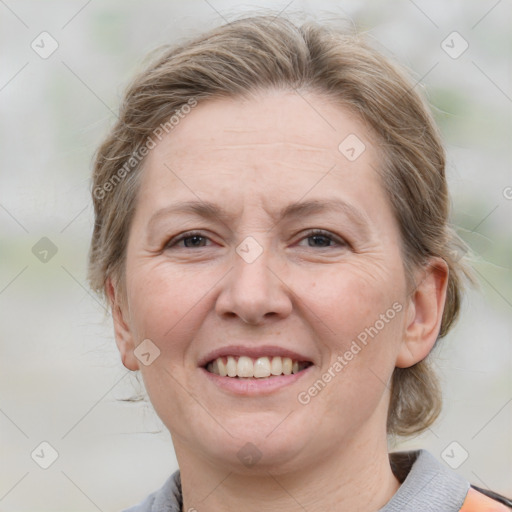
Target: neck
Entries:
(357, 478)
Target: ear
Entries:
(124, 338)
(424, 314)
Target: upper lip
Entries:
(254, 352)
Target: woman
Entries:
(272, 236)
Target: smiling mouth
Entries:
(255, 368)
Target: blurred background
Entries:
(63, 67)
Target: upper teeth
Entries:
(244, 366)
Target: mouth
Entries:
(264, 367)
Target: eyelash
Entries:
(325, 234)
(311, 233)
(189, 234)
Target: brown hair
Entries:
(266, 52)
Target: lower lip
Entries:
(254, 387)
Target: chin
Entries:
(255, 448)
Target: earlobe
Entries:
(424, 314)
(123, 335)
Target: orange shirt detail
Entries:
(477, 502)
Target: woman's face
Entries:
(262, 233)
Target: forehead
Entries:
(275, 140)
(312, 121)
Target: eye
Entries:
(321, 239)
(189, 240)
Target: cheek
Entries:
(360, 323)
(167, 305)
(362, 326)
(351, 299)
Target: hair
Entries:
(260, 53)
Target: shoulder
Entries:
(429, 486)
(167, 499)
(479, 500)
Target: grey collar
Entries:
(427, 485)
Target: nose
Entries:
(254, 291)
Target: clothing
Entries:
(426, 486)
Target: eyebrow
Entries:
(212, 211)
